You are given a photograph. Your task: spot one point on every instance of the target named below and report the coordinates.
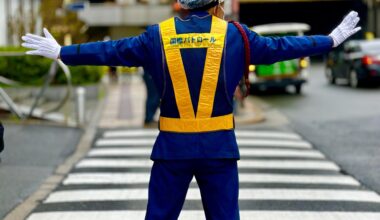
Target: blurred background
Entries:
(83, 21)
(51, 112)
(91, 20)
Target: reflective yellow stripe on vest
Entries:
(214, 42)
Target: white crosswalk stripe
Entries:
(284, 178)
(239, 134)
(191, 215)
(194, 194)
(137, 178)
(279, 164)
(246, 152)
(241, 142)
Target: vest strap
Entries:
(201, 120)
(225, 122)
(211, 71)
(177, 71)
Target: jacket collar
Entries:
(198, 14)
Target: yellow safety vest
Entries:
(214, 42)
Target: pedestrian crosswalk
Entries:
(282, 177)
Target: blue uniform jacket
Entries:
(146, 50)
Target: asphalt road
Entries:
(31, 154)
(280, 177)
(342, 122)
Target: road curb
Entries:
(22, 211)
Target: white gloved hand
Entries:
(345, 29)
(43, 46)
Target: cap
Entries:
(194, 4)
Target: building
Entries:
(120, 18)
(123, 18)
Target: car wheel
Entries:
(353, 80)
(329, 76)
(298, 89)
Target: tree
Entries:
(21, 18)
(63, 24)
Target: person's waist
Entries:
(196, 125)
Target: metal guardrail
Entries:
(8, 81)
(48, 79)
(12, 106)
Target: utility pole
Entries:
(7, 7)
(376, 17)
(373, 16)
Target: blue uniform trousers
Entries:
(217, 179)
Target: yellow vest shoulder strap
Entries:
(214, 42)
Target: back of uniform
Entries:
(196, 123)
(205, 128)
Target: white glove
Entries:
(345, 29)
(43, 46)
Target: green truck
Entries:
(285, 73)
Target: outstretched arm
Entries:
(267, 50)
(125, 52)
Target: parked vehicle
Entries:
(357, 61)
(285, 73)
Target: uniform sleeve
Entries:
(267, 50)
(132, 51)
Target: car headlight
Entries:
(303, 63)
(252, 68)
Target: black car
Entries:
(357, 61)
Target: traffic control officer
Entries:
(196, 63)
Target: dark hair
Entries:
(206, 7)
